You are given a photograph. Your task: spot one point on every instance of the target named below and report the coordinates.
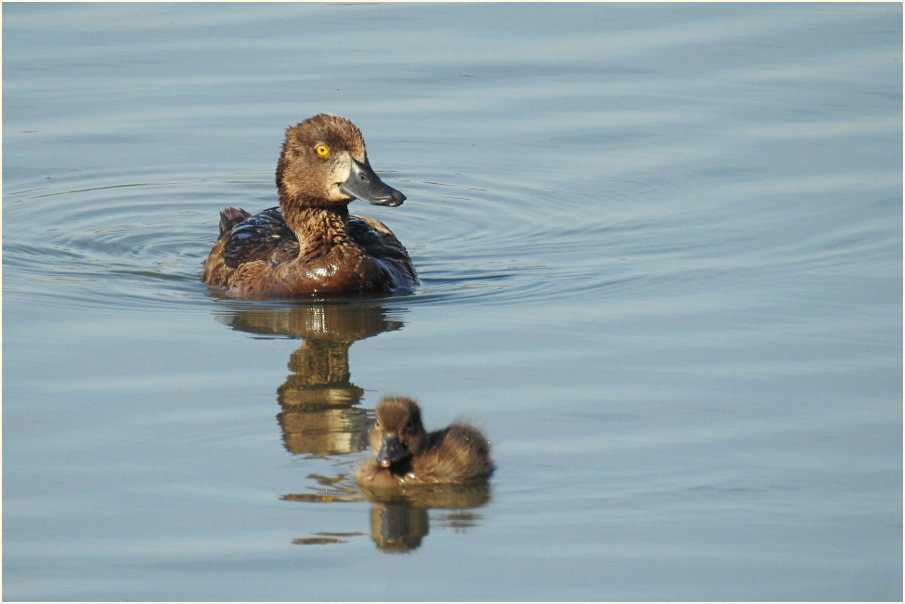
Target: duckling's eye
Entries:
(322, 150)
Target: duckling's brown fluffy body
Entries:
(311, 245)
(406, 454)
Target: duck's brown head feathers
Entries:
(324, 162)
(316, 160)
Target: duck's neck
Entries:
(317, 229)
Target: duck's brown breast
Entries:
(261, 257)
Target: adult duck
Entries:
(406, 454)
(310, 246)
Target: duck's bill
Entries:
(391, 451)
(365, 185)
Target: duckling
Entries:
(406, 454)
(310, 245)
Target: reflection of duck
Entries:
(406, 454)
(320, 412)
(310, 245)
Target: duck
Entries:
(406, 454)
(309, 245)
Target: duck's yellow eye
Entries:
(322, 150)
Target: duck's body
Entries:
(311, 245)
(406, 454)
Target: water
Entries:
(661, 255)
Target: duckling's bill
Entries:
(391, 451)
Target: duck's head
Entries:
(324, 163)
(398, 433)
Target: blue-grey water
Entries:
(661, 259)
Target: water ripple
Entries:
(115, 239)
(108, 242)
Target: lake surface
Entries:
(661, 259)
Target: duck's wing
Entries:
(379, 241)
(230, 217)
(264, 236)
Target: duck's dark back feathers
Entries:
(230, 217)
(376, 239)
(264, 236)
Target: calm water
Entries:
(661, 254)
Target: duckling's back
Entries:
(459, 454)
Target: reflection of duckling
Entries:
(398, 528)
(310, 244)
(406, 454)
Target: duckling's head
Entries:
(398, 433)
(324, 163)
